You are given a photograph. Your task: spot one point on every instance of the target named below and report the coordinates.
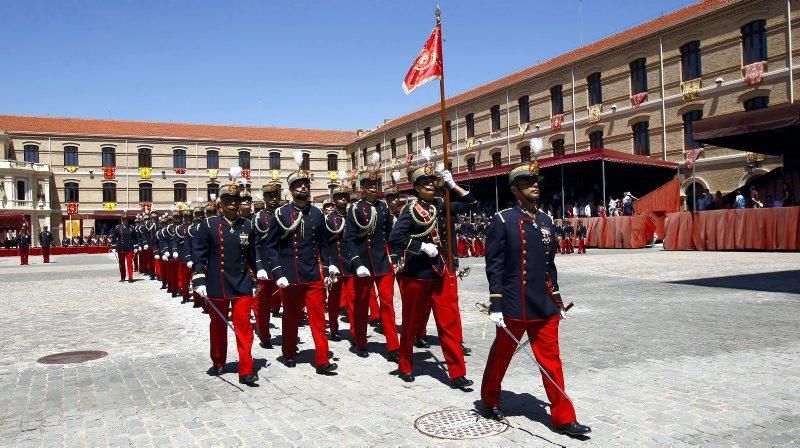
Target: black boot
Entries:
(393, 356)
(573, 429)
(250, 380)
(327, 369)
(461, 383)
(493, 413)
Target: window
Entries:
(378, 150)
(556, 100)
(393, 145)
(109, 192)
(31, 153)
(497, 160)
(638, 76)
(364, 155)
(690, 61)
(212, 188)
(109, 157)
(471, 164)
(449, 126)
(274, 160)
(641, 138)
(524, 109)
(306, 165)
(353, 160)
(71, 192)
(145, 192)
(759, 102)
(145, 158)
(596, 140)
(688, 119)
(595, 89)
(333, 162)
(179, 193)
(179, 158)
(525, 154)
(754, 42)
(244, 160)
(558, 147)
(212, 159)
(70, 156)
(470, 120)
(427, 133)
(409, 144)
(495, 114)
(21, 190)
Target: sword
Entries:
(219, 313)
(535, 362)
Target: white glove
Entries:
(497, 319)
(166, 256)
(113, 250)
(174, 255)
(563, 314)
(333, 270)
(262, 275)
(282, 282)
(135, 250)
(447, 177)
(146, 247)
(362, 271)
(157, 257)
(201, 291)
(430, 249)
(189, 264)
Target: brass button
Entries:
(524, 272)
(524, 252)
(524, 282)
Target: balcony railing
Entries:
(17, 165)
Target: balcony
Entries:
(25, 166)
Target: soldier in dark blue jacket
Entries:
(524, 295)
(124, 239)
(184, 250)
(46, 241)
(268, 296)
(24, 242)
(418, 239)
(340, 293)
(191, 235)
(293, 248)
(223, 257)
(366, 235)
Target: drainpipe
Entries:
(663, 99)
(574, 129)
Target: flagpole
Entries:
(445, 155)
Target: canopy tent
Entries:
(12, 221)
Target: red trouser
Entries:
(125, 260)
(46, 254)
(136, 261)
(174, 269)
(264, 302)
(362, 287)
(218, 328)
(311, 296)
(158, 268)
(543, 335)
(23, 255)
(568, 245)
(442, 294)
(339, 294)
(147, 262)
(184, 277)
(581, 246)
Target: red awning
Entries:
(11, 220)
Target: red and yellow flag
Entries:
(428, 64)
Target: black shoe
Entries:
(374, 322)
(265, 344)
(421, 343)
(467, 350)
(461, 382)
(362, 353)
(327, 369)
(195, 306)
(378, 329)
(250, 380)
(494, 413)
(290, 362)
(345, 319)
(215, 371)
(121, 280)
(335, 337)
(276, 314)
(573, 429)
(393, 356)
(163, 286)
(130, 280)
(407, 377)
(205, 311)
(152, 277)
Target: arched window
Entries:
(145, 192)
(109, 157)
(594, 89)
(690, 61)
(556, 100)
(179, 192)
(333, 162)
(306, 165)
(596, 140)
(525, 154)
(179, 158)
(212, 159)
(275, 160)
(688, 119)
(754, 42)
(638, 76)
(494, 112)
(558, 147)
(497, 160)
(471, 164)
(244, 160)
(524, 109)
(145, 158)
(71, 192)
(109, 192)
(759, 102)
(641, 138)
(70, 156)
(31, 153)
(212, 188)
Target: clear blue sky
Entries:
(319, 64)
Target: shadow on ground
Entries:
(782, 281)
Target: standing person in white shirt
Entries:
(587, 210)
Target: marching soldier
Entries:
(184, 250)
(268, 296)
(569, 233)
(46, 241)
(124, 238)
(136, 249)
(416, 238)
(581, 237)
(292, 249)
(340, 291)
(523, 285)
(23, 245)
(366, 233)
(191, 235)
(225, 281)
(174, 262)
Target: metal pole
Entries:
(694, 188)
(563, 200)
(458, 158)
(127, 181)
(197, 171)
(508, 128)
(496, 197)
(445, 158)
(663, 99)
(574, 129)
(603, 162)
(791, 61)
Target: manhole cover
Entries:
(458, 424)
(71, 357)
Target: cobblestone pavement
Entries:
(662, 349)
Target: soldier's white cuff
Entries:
(200, 275)
(495, 295)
